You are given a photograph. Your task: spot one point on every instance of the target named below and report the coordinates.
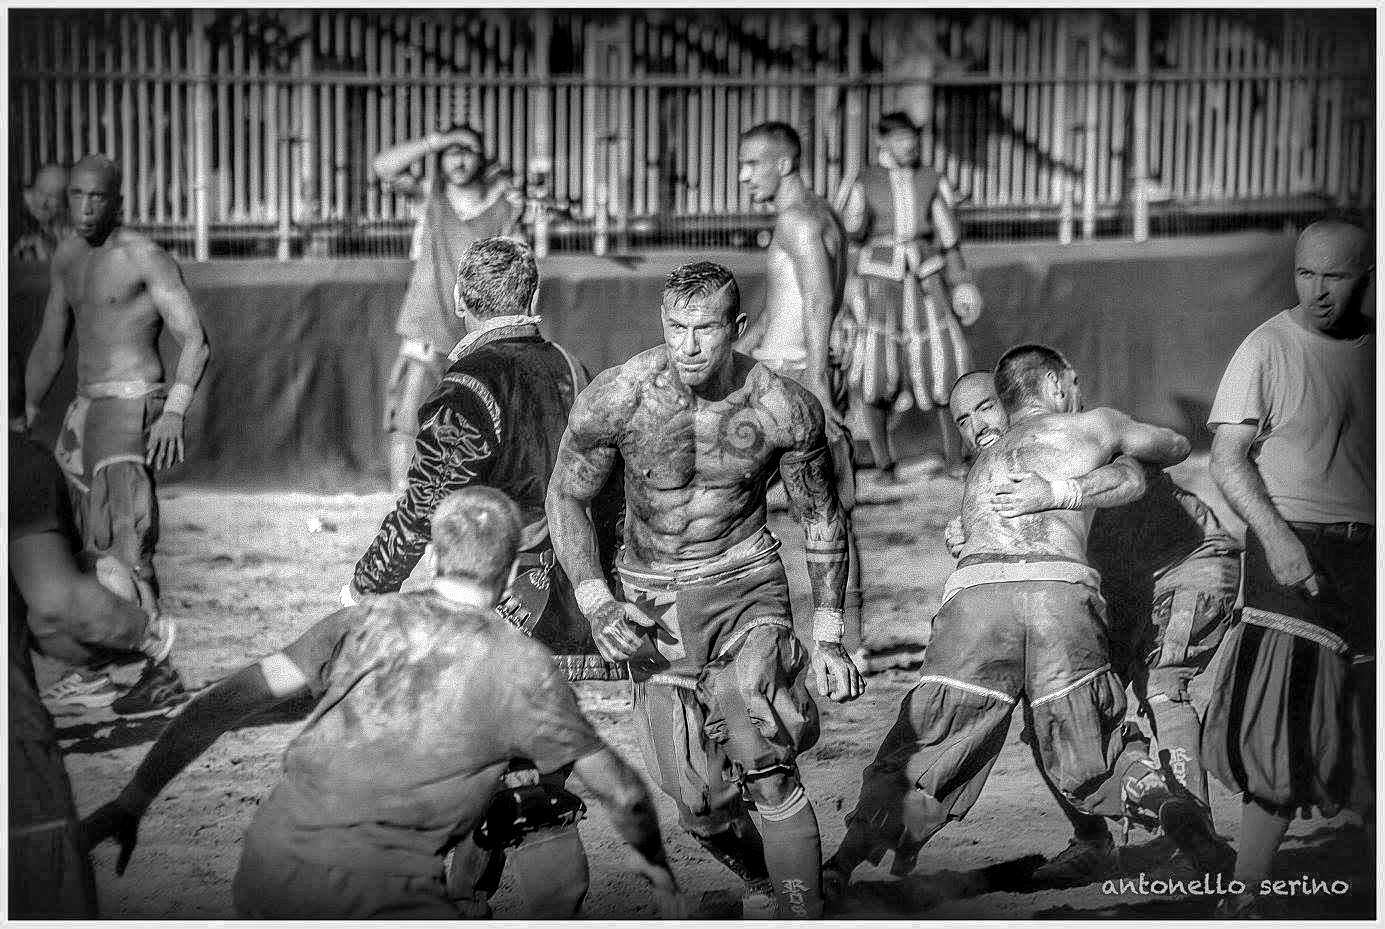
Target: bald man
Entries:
(40, 219)
(120, 290)
(1291, 722)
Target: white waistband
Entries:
(127, 390)
(1006, 572)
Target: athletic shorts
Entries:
(1165, 631)
(1291, 721)
(101, 450)
(993, 645)
(274, 883)
(736, 703)
(50, 875)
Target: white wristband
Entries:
(179, 399)
(348, 596)
(829, 625)
(592, 595)
(1067, 494)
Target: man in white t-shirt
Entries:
(1291, 720)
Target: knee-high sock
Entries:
(1180, 736)
(1261, 832)
(793, 854)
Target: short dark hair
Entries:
(476, 535)
(892, 121)
(966, 374)
(1021, 370)
(780, 134)
(701, 279)
(497, 277)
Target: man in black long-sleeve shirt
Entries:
(496, 418)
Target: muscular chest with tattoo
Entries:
(696, 471)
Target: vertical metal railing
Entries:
(262, 124)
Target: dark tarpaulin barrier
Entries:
(300, 351)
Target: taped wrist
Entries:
(829, 625)
(178, 400)
(1067, 495)
(348, 596)
(592, 595)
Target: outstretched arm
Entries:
(46, 355)
(619, 789)
(1116, 484)
(164, 280)
(1149, 444)
(1244, 489)
(225, 706)
(806, 469)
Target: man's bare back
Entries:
(695, 469)
(806, 263)
(1054, 446)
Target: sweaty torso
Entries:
(116, 322)
(1050, 446)
(696, 470)
(784, 340)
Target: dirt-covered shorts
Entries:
(735, 703)
(1166, 630)
(992, 644)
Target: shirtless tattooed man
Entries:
(120, 289)
(720, 688)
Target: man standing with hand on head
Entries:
(120, 290)
(463, 199)
(720, 692)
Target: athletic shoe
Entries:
(79, 690)
(158, 691)
(1084, 861)
(1189, 824)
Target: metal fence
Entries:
(246, 132)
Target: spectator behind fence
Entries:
(912, 293)
(462, 199)
(38, 216)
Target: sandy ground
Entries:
(246, 573)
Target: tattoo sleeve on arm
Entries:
(806, 469)
(586, 458)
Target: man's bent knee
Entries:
(770, 787)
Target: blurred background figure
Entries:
(461, 199)
(38, 219)
(912, 292)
